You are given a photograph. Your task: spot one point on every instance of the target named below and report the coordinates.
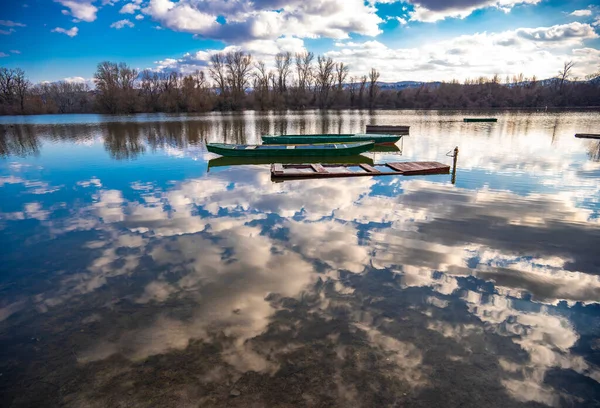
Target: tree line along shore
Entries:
(235, 82)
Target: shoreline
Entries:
(238, 112)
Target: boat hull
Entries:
(330, 138)
(302, 150)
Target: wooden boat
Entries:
(480, 120)
(298, 150)
(403, 130)
(244, 161)
(588, 135)
(309, 171)
(330, 138)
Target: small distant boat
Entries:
(388, 129)
(330, 138)
(480, 120)
(298, 150)
(587, 135)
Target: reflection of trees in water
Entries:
(594, 151)
(123, 141)
(127, 140)
(18, 141)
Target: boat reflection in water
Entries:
(365, 158)
(244, 161)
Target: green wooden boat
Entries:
(480, 120)
(331, 138)
(291, 150)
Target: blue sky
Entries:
(410, 40)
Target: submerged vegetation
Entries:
(234, 81)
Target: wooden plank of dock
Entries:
(318, 168)
(387, 129)
(588, 135)
(299, 171)
(369, 169)
(415, 168)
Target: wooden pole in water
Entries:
(454, 165)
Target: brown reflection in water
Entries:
(20, 141)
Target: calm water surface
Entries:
(136, 270)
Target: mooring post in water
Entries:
(454, 165)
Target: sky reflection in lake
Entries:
(132, 275)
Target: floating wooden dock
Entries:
(388, 129)
(588, 135)
(317, 170)
(480, 120)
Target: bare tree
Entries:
(67, 96)
(106, 79)
(115, 87)
(7, 86)
(150, 90)
(304, 69)
(283, 61)
(352, 91)
(564, 74)
(217, 72)
(324, 78)
(373, 88)
(261, 84)
(361, 90)
(341, 73)
(22, 85)
(238, 66)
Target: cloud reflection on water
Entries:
(381, 284)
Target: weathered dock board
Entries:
(588, 135)
(310, 171)
(387, 129)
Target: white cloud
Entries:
(563, 34)
(74, 79)
(2, 55)
(259, 20)
(434, 10)
(139, 17)
(9, 23)
(121, 23)
(93, 182)
(581, 13)
(129, 8)
(7, 32)
(15, 51)
(71, 32)
(532, 51)
(81, 9)
(260, 50)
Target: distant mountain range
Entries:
(406, 84)
(416, 84)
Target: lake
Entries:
(139, 270)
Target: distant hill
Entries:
(406, 84)
(434, 84)
(399, 85)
